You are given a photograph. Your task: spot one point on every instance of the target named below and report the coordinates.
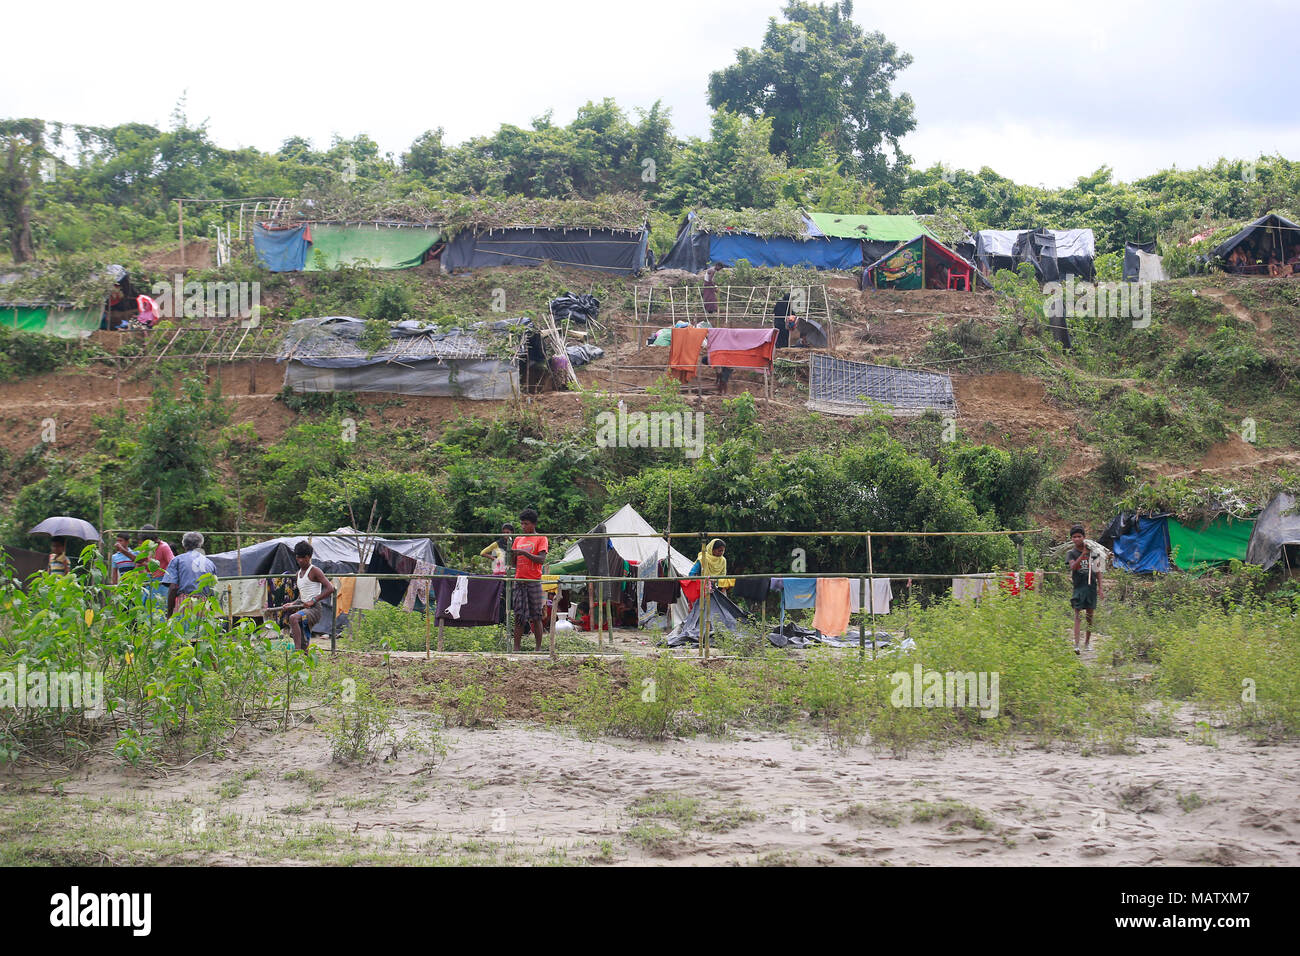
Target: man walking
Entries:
(529, 551)
(1086, 581)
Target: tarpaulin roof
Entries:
(1146, 548)
(64, 323)
(383, 247)
(880, 228)
(1069, 242)
(334, 342)
(326, 549)
(1271, 221)
(627, 521)
(1277, 526)
(780, 251)
(619, 251)
(1223, 539)
(281, 250)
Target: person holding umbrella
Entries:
(60, 529)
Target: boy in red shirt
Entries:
(529, 551)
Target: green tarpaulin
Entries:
(385, 247)
(65, 323)
(875, 228)
(1223, 539)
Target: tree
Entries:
(23, 148)
(426, 154)
(820, 79)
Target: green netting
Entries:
(1223, 539)
(64, 323)
(875, 228)
(385, 247)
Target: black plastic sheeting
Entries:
(690, 252)
(1276, 527)
(1132, 264)
(606, 250)
(576, 308)
(724, 613)
(1271, 221)
(580, 355)
(796, 635)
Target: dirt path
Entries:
(522, 792)
(1262, 323)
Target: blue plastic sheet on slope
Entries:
(1146, 549)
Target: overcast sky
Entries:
(1041, 92)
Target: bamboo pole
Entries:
(871, 572)
(862, 622)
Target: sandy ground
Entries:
(535, 794)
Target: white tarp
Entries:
(626, 521)
(1069, 242)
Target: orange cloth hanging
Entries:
(832, 607)
(684, 353)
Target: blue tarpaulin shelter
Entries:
(1146, 548)
(282, 250)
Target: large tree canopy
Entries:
(823, 82)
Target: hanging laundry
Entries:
(971, 587)
(741, 348)
(831, 616)
(482, 604)
(419, 586)
(751, 589)
(347, 592)
(459, 595)
(798, 592)
(684, 353)
(881, 594)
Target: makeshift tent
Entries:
(282, 248)
(375, 247)
(316, 247)
(843, 387)
(333, 555)
(1224, 539)
(481, 362)
(1269, 239)
(62, 321)
(1054, 253)
(1277, 526)
(634, 550)
(1142, 264)
(1144, 547)
(826, 241)
(877, 234)
(619, 251)
(724, 614)
(920, 263)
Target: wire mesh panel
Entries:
(855, 388)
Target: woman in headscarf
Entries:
(710, 563)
